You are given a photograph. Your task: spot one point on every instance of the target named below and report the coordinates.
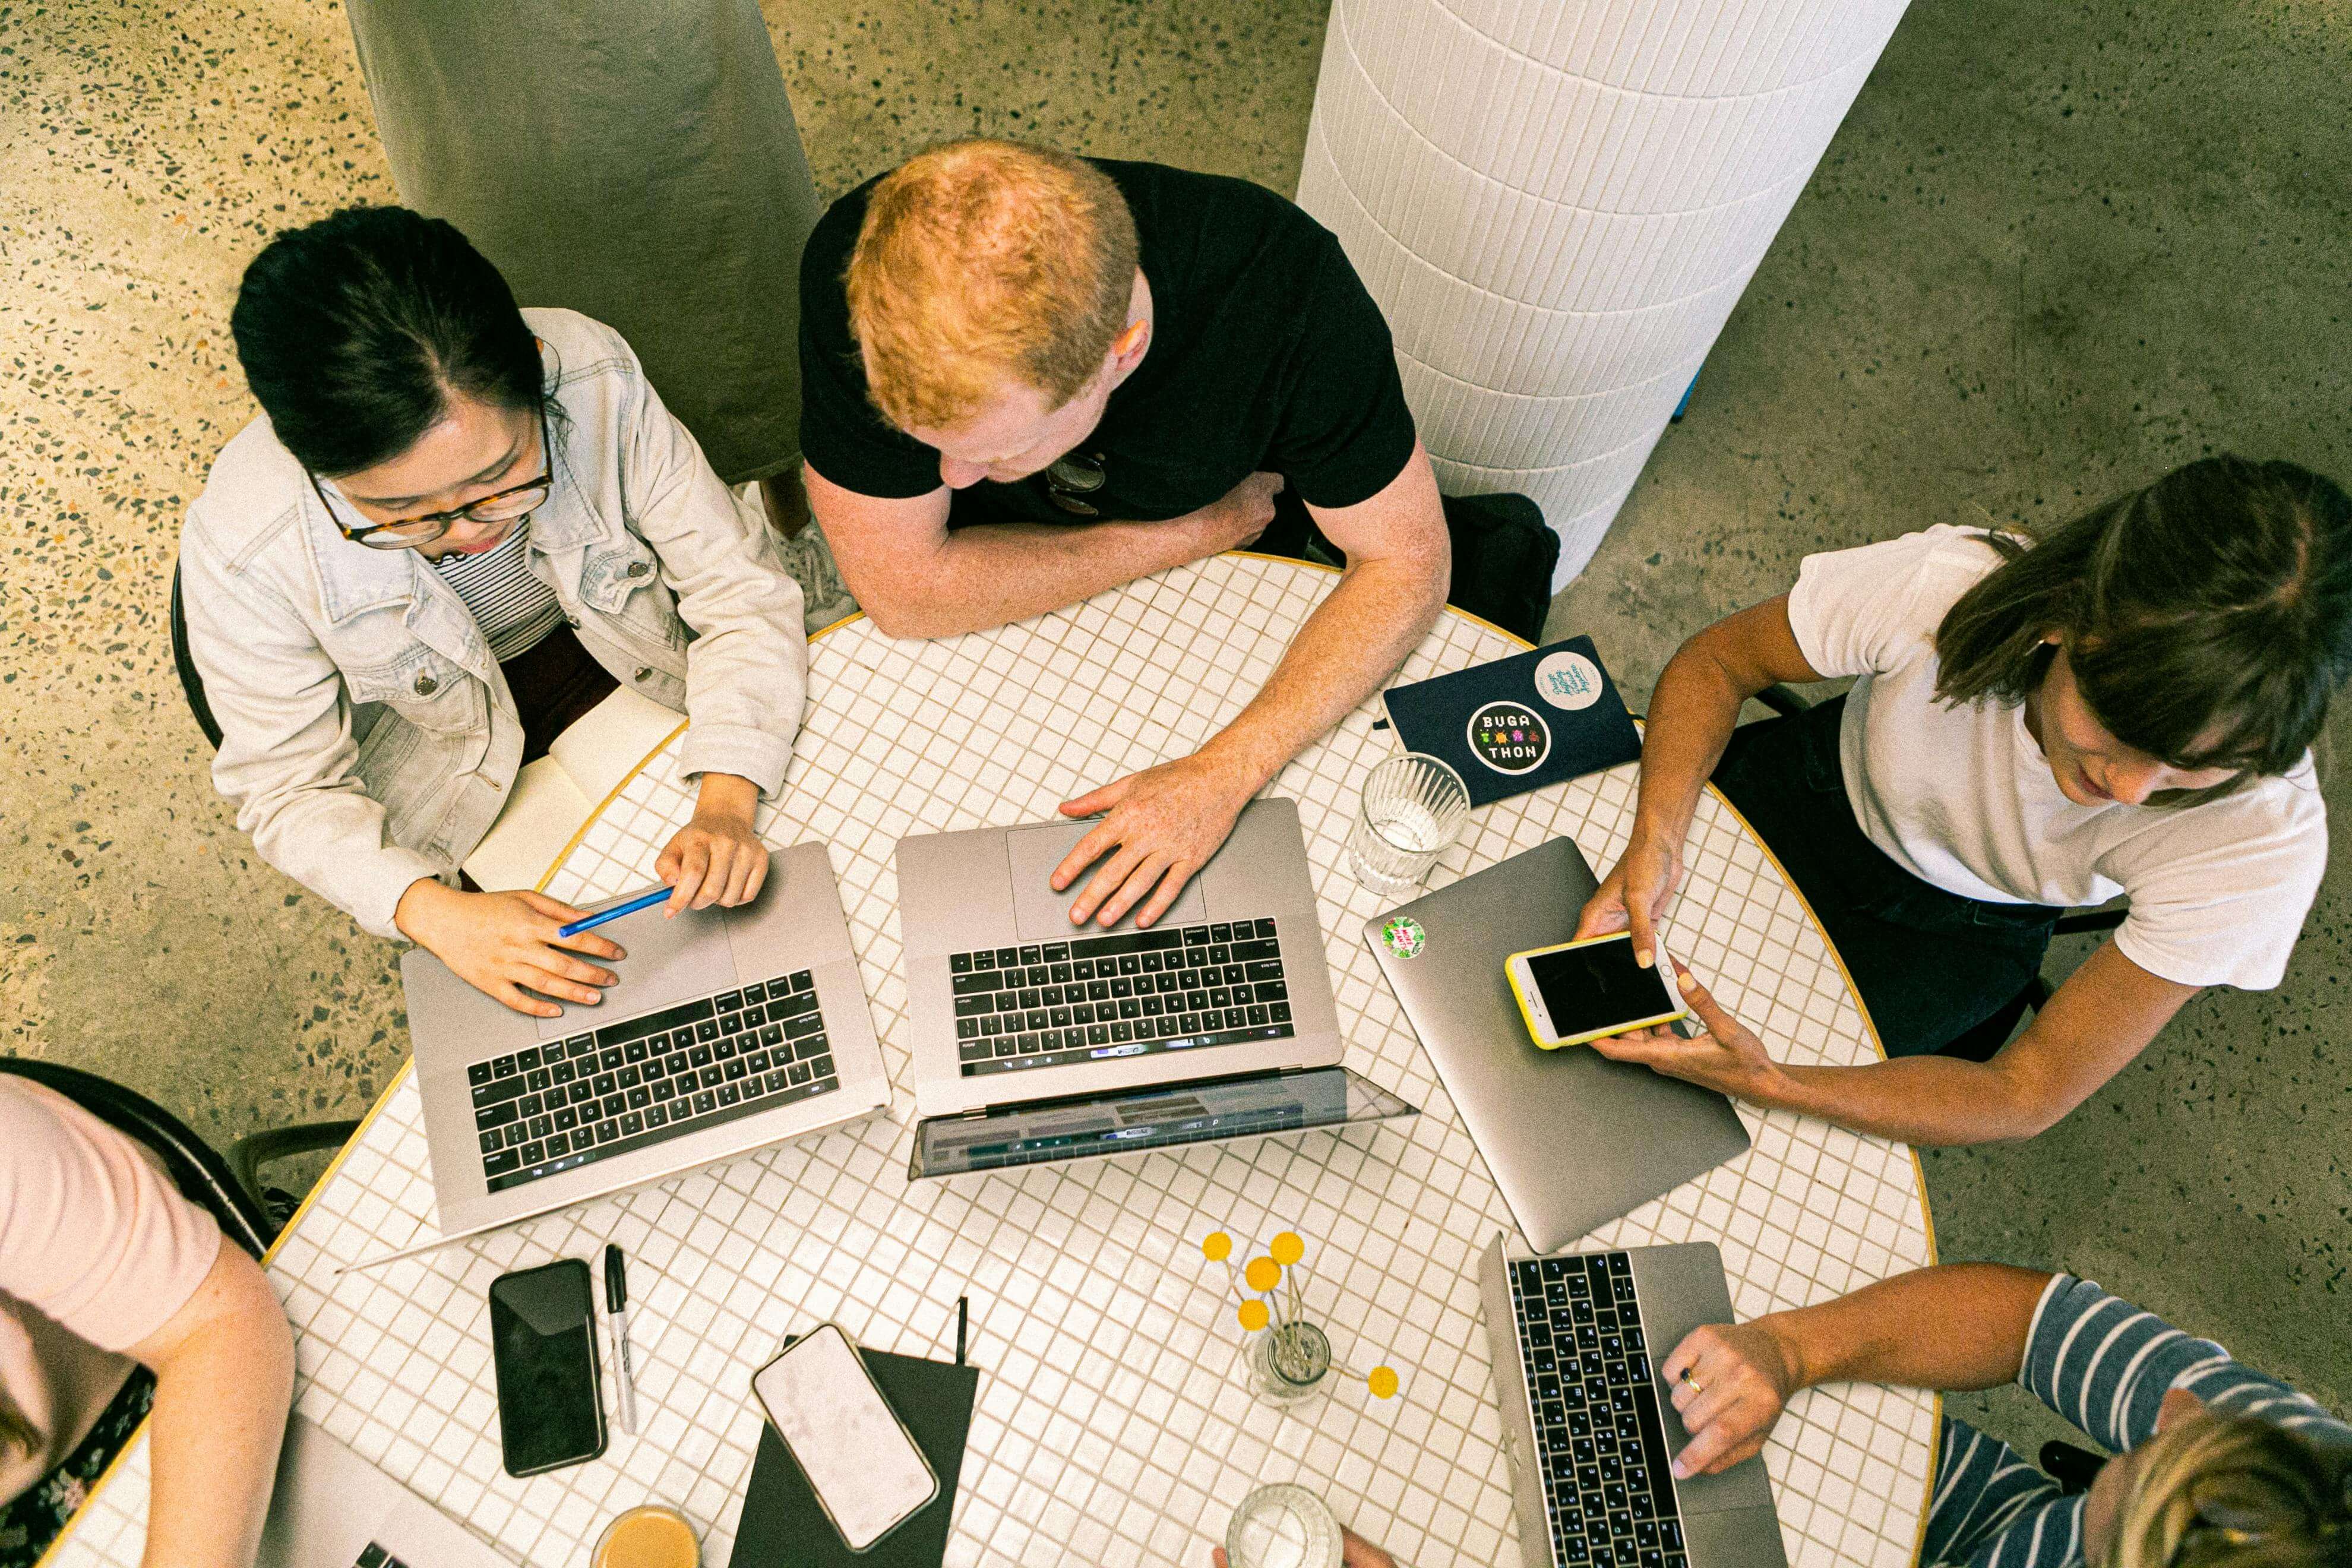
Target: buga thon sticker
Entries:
(1509, 737)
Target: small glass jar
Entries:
(1290, 1359)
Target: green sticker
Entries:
(1404, 937)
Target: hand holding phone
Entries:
(863, 1465)
(1581, 991)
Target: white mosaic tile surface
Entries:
(1115, 1425)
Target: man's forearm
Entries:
(1954, 1326)
(995, 573)
(1379, 612)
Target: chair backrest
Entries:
(192, 683)
(196, 1168)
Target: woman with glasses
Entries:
(457, 528)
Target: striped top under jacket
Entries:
(2104, 1365)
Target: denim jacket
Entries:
(368, 739)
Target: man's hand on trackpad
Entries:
(1159, 828)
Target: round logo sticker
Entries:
(1568, 680)
(1509, 737)
(1404, 937)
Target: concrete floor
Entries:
(2054, 250)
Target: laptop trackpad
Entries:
(669, 961)
(1041, 914)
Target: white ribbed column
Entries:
(1558, 202)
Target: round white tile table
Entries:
(1115, 1423)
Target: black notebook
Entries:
(783, 1527)
(1520, 724)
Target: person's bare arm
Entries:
(1954, 1326)
(1161, 825)
(914, 578)
(223, 1367)
(1691, 712)
(2102, 1016)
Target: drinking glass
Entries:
(1410, 808)
(1283, 1527)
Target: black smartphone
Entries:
(544, 1347)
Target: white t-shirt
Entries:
(1963, 798)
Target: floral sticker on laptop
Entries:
(1404, 937)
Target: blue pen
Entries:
(616, 913)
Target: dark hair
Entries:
(354, 330)
(2217, 599)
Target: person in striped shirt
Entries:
(2219, 1463)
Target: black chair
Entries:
(192, 683)
(2072, 1467)
(228, 1189)
(1978, 1043)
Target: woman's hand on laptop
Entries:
(500, 943)
(1634, 895)
(1159, 828)
(1728, 1059)
(1730, 1383)
(717, 858)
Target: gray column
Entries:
(1557, 205)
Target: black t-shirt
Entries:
(1266, 354)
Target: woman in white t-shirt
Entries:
(2124, 709)
(120, 1302)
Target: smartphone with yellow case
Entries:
(1589, 990)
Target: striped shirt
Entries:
(2104, 1365)
(514, 606)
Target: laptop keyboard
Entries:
(556, 1107)
(1093, 999)
(1600, 1450)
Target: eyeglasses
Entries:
(506, 505)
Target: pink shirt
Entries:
(98, 1250)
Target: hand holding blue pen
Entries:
(603, 917)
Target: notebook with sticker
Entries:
(1520, 724)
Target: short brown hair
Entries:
(2217, 598)
(980, 260)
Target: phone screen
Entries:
(544, 1347)
(861, 1464)
(1597, 987)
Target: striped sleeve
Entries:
(2106, 1365)
(1992, 1509)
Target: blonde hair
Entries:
(2234, 1490)
(981, 259)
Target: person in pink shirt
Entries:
(117, 1301)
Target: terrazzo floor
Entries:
(2054, 250)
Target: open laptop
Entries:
(1590, 1424)
(1574, 1139)
(331, 1509)
(730, 1030)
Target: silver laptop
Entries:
(730, 1030)
(1574, 1139)
(1008, 1003)
(1223, 1111)
(1590, 1424)
(331, 1509)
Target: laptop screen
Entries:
(1195, 1112)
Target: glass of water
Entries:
(1411, 809)
(1283, 1527)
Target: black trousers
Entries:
(1929, 964)
(556, 682)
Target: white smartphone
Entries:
(862, 1463)
(1581, 991)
